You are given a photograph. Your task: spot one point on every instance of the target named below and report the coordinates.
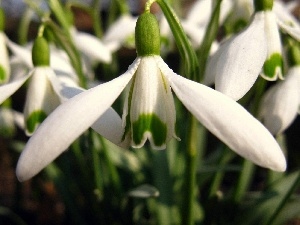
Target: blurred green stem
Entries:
(284, 200)
(190, 174)
(243, 181)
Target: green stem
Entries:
(163, 182)
(115, 178)
(243, 181)
(218, 177)
(96, 161)
(97, 25)
(190, 174)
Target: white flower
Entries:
(201, 11)
(120, 32)
(149, 113)
(44, 89)
(91, 46)
(280, 103)
(286, 20)
(240, 59)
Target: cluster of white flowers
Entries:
(58, 110)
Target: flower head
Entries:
(255, 50)
(149, 112)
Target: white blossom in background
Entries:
(91, 46)
(120, 33)
(241, 58)
(280, 104)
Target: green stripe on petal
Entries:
(34, 119)
(3, 75)
(149, 123)
(271, 67)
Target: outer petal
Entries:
(8, 89)
(91, 46)
(280, 104)
(67, 123)
(230, 122)
(241, 60)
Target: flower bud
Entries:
(40, 52)
(147, 37)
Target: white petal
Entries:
(120, 29)
(280, 104)
(286, 20)
(91, 46)
(230, 122)
(200, 12)
(241, 60)
(67, 123)
(23, 53)
(211, 68)
(109, 125)
(6, 90)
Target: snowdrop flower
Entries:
(120, 32)
(43, 93)
(286, 20)
(256, 49)
(280, 104)
(91, 46)
(201, 11)
(4, 58)
(149, 112)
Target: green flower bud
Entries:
(147, 37)
(40, 52)
(2, 19)
(263, 5)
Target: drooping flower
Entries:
(149, 112)
(255, 50)
(280, 104)
(43, 94)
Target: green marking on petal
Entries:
(271, 66)
(152, 124)
(3, 75)
(34, 119)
